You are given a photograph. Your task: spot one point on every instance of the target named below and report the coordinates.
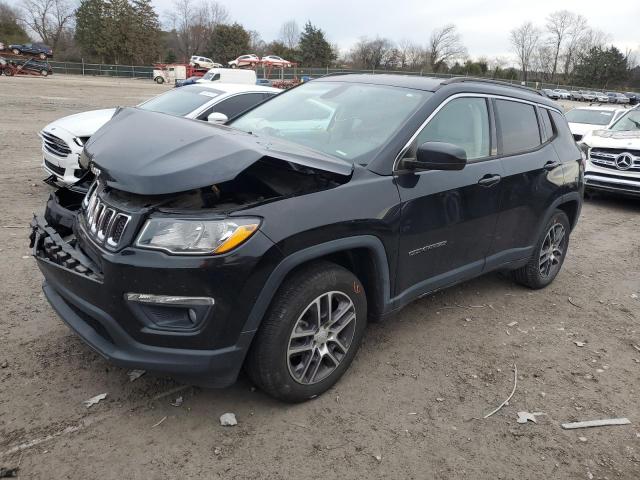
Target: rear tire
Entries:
(159, 80)
(548, 255)
(310, 334)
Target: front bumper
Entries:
(91, 300)
(611, 180)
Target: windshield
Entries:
(346, 120)
(592, 117)
(629, 121)
(180, 101)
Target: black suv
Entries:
(270, 242)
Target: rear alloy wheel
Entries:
(310, 334)
(16, 51)
(44, 73)
(548, 255)
(43, 56)
(159, 80)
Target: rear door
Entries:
(533, 178)
(449, 217)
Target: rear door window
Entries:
(518, 129)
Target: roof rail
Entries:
(449, 81)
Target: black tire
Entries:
(159, 80)
(268, 362)
(533, 275)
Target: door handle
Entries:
(489, 180)
(551, 165)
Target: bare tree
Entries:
(256, 44)
(445, 45)
(290, 34)
(524, 40)
(575, 35)
(193, 22)
(372, 53)
(47, 18)
(558, 26)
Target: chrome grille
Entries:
(606, 158)
(54, 145)
(103, 223)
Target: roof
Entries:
(234, 87)
(455, 84)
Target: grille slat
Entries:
(606, 158)
(104, 224)
(55, 145)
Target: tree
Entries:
(558, 26)
(315, 50)
(373, 54)
(47, 18)
(228, 42)
(524, 40)
(289, 34)
(90, 29)
(194, 23)
(256, 44)
(146, 34)
(602, 67)
(10, 30)
(575, 35)
(445, 45)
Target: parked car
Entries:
(622, 99)
(601, 97)
(187, 81)
(613, 157)
(64, 139)
(203, 62)
(587, 95)
(31, 65)
(276, 61)
(563, 94)
(615, 97)
(271, 242)
(38, 49)
(634, 98)
(2, 46)
(245, 61)
(582, 120)
(551, 93)
(576, 95)
(226, 75)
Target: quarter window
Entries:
(463, 122)
(548, 125)
(518, 126)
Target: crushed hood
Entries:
(83, 124)
(624, 139)
(151, 153)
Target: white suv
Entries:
(203, 62)
(613, 156)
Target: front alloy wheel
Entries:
(310, 334)
(321, 337)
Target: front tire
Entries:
(548, 255)
(159, 80)
(310, 334)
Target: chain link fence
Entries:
(286, 74)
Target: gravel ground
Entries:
(411, 406)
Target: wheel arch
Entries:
(363, 255)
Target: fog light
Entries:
(169, 312)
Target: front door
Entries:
(448, 218)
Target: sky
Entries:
(483, 24)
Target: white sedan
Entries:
(276, 61)
(583, 120)
(64, 139)
(250, 60)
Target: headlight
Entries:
(196, 236)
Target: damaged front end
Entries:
(149, 265)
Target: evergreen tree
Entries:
(147, 36)
(601, 67)
(10, 29)
(228, 42)
(90, 29)
(315, 50)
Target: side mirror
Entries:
(217, 117)
(437, 156)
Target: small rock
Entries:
(177, 402)
(582, 439)
(228, 420)
(378, 457)
(579, 344)
(542, 394)
(512, 324)
(599, 370)
(633, 295)
(4, 364)
(217, 451)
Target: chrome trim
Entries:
(168, 299)
(453, 97)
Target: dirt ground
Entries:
(411, 406)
